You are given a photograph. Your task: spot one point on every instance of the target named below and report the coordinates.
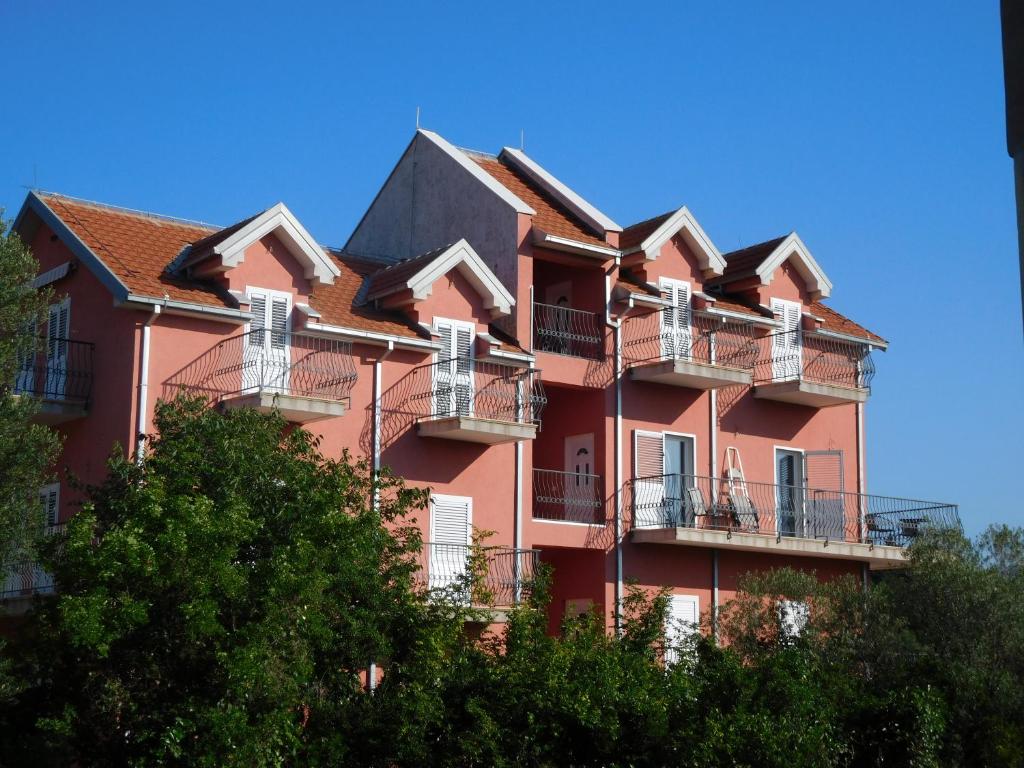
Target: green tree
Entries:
(217, 603)
(27, 450)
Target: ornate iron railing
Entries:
(463, 386)
(57, 369)
(572, 497)
(567, 331)
(707, 339)
(295, 364)
(24, 577)
(478, 574)
(691, 501)
(808, 356)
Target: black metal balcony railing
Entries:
(567, 331)
(294, 364)
(707, 339)
(689, 501)
(802, 356)
(571, 497)
(478, 575)
(463, 386)
(57, 369)
(24, 576)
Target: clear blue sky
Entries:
(875, 130)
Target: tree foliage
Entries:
(220, 602)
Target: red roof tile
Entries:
(633, 235)
(833, 321)
(745, 261)
(551, 216)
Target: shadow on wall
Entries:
(764, 418)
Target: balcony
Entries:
(568, 497)
(566, 331)
(305, 378)
(478, 575)
(706, 512)
(707, 354)
(813, 370)
(465, 399)
(57, 373)
(25, 578)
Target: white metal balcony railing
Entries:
(798, 355)
(464, 386)
(706, 340)
(567, 331)
(285, 363)
(573, 497)
(24, 577)
(480, 575)
(690, 501)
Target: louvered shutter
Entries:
(258, 307)
(464, 369)
(450, 532)
(787, 342)
(681, 623)
(57, 349)
(826, 503)
(453, 374)
(26, 380)
(49, 497)
(649, 505)
(279, 323)
(675, 319)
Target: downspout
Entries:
(378, 377)
(616, 326)
(517, 514)
(713, 426)
(714, 596)
(860, 470)
(140, 424)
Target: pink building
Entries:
(700, 414)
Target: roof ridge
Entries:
(130, 211)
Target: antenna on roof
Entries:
(417, 118)
(522, 139)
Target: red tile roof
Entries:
(833, 321)
(745, 261)
(635, 234)
(551, 216)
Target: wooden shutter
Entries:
(681, 623)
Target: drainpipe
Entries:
(714, 596)
(378, 376)
(616, 326)
(860, 470)
(517, 533)
(713, 427)
(140, 425)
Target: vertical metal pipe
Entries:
(714, 595)
(518, 529)
(141, 420)
(378, 386)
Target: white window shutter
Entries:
(649, 484)
(450, 519)
(682, 621)
(258, 307)
(279, 323)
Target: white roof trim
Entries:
(560, 191)
(708, 256)
(476, 171)
(372, 337)
(882, 345)
(808, 268)
(461, 256)
(567, 244)
(281, 221)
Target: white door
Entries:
(789, 473)
(682, 622)
(649, 507)
(450, 535)
(453, 373)
(57, 349)
(676, 335)
(266, 357)
(787, 343)
(581, 502)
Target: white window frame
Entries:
(801, 513)
(791, 365)
(650, 490)
(279, 382)
(468, 379)
(669, 284)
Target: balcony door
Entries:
(824, 478)
(266, 354)
(663, 471)
(787, 342)
(453, 373)
(580, 492)
(57, 349)
(789, 477)
(676, 334)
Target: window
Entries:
(450, 535)
(676, 336)
(453, 373)
(682, 623)
(664, 486)
(267, 357)
(787, 342)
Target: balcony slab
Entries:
(476, 430)
(813, 394)
(52, 412)
(296, 409)
(690, 374)
(877, 557)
